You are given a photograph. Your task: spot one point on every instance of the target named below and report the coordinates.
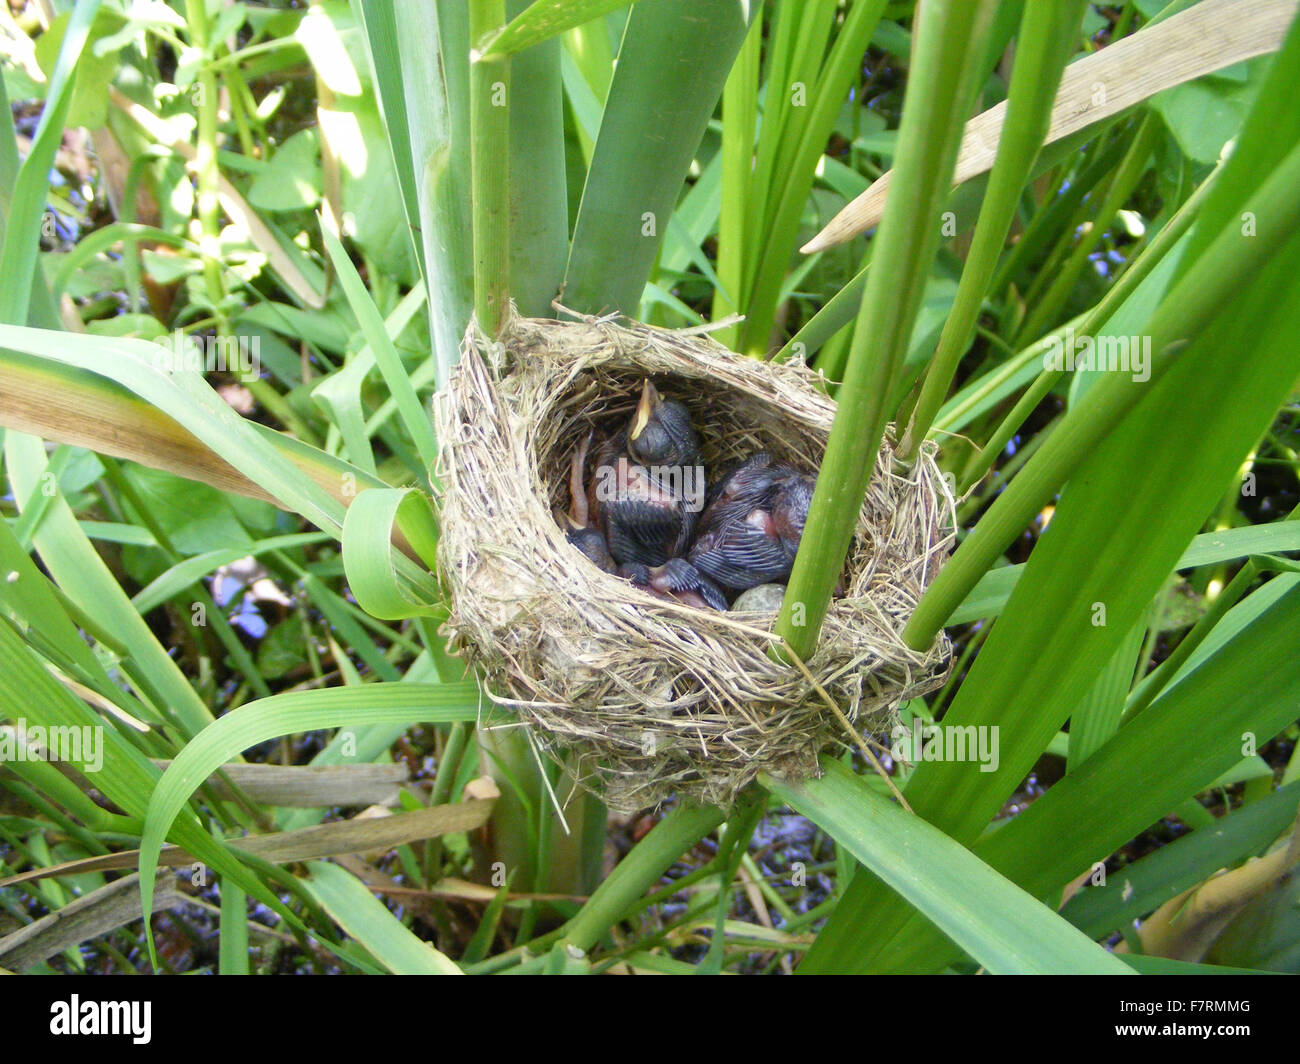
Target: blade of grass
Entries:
(365, 918)
(739, 113)
(539, 207)
(797, 46)
(1048, 306)
(1099, 711)
(586, 67)
(416, 419)
(26, 210)
(489, 115)
(379, 26)
(804, 141)
(101, 415)
(1047, 34)
(990, 595)
(188, 399)
(1003, 928)
(424, 90)
(368, 553)
(943, 81)
(544, 19)
(677, 53)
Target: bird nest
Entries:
(640, 697)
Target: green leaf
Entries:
(368, 553)
(414, 416)
(322, 33)
(281, 650)
(1203, 115)
(194, 516)
(543, 20)
(364, 917)
(1165, 966)
(989, 596)
(143, 368)
(996, 922)
(1145, 885)
(184, 573)
(270, 718)
(1099, 712)
(26, 209)
(676, 53)
(95, 68)
(291, 181)
(31, 598)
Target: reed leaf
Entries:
(949, 46)
(677, 53)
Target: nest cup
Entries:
(650, 698)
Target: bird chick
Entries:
(661, 432)
(677, 580)
(644, 480)
(582, 533)
(749, 533)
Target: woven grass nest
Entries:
(642, 698)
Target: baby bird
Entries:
(661, 432)
(749, 533)
(676, 580)
(641, 476)
(582, 533)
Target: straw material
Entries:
(650, 698)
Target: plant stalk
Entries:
(950, 43)
(489, 118)
(1047, 32)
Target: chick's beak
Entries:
(649, 403)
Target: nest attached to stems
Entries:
(651, 698)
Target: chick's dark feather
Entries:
(639, 476)
(749, 534)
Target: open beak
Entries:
(577, 490)
(649, 402)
